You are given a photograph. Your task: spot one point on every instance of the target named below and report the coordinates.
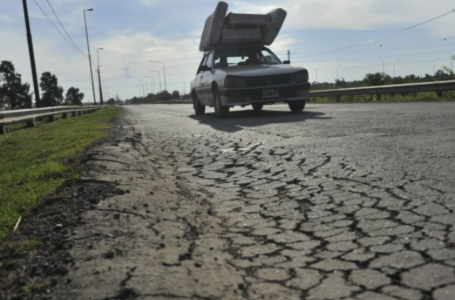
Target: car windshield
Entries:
(248, 56)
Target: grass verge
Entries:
(396, 97)
(35, 161)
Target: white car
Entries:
(237, 68)
(247, 74)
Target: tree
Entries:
(448, 70)
(376, 79)
(445, 73)
(164, 95)
(340, 83)
(110, 101)
(52, 93)
(175, 94)
(12, 92)
(74, 96)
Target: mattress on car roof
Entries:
(220, 29)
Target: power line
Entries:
(383, 37)
(63, 27)
(380, 57)
(56, 28)
(389, 48)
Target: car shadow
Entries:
(241, 119)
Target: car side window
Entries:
(209, 61)
(203, 63)
(269, 57)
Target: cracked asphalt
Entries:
(352, 201)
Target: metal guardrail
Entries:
(437, 86)
(29, 116)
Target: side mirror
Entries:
(286, 62)
(204, 68)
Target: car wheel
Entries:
(220, 111)
(296, 106)
(257, 106)
(199, 109)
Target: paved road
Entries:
(338, 202)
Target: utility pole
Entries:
(452, 58)
(394, 67)
(89, 56)
(289, 55)
(99, 75)
(32, 55)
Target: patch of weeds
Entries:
(19, 249)
(35, 288)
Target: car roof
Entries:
(238, 48)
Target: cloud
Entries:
(127, 55)
(150, 3)
(283, 43)
(171, 30)
(358, 14)
(70, 69)
(5, 19)
(127, 72)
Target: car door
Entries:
(198, 79)
(206, 78)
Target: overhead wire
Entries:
(393, 47)
(383, 37)
(133, 62)
(56, 28)
(63, 27)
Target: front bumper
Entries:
(250, 95)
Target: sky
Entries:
(333, 39)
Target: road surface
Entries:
(348, 201)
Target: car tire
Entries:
(220, 111)
(199, 109)
(257, 106)
(296, 106)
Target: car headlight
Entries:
(299, 77)
(234, 82)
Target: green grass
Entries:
(397, 97)
(35, 161)
(18, 249)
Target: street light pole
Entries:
(105, 90)
(142, 85)
(159, 77)
(89, 56)
(164, 70)
(152, 88)
(146, 87)
(99, 74)
(31, 54)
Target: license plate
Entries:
(270, 93)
